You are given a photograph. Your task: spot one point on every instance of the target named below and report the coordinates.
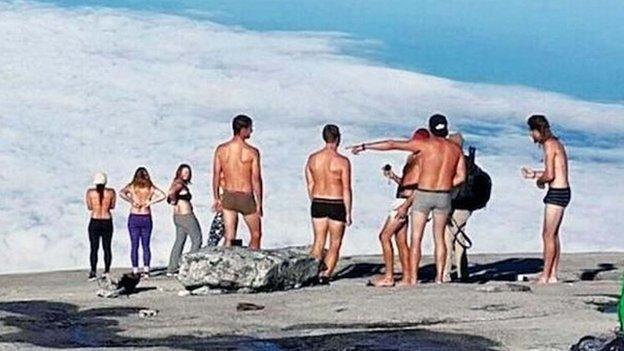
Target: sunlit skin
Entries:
(442, 167)
(555, 174)
(100, 210)
(328, 176)
(236, 168)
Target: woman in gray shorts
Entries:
(183, 217)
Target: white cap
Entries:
(99, 179)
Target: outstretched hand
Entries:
(356, 149)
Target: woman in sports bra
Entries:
(183, 217)
(395, 226)
(141, 193)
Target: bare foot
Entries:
(381, 281)
(542, 280)
(553, 280)
(406, 282)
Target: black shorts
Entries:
(333, 209)
(558, 197)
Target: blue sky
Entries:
(571, 47)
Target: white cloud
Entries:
(95, 89)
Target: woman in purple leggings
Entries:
(141, 193)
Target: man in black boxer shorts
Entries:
(328, 176)
(555, 174)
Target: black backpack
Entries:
(475, 192)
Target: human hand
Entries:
(217, 206)
(401, 213)
(527, 172)
(260, 211)
(349, 221)
(356, 149)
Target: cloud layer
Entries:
(95, 89)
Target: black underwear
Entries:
(558, 196)
(333, 209)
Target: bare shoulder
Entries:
(552, 145)
(343, 160)
(110, 191)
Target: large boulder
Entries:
(238, 268)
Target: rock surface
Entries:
(240, 269)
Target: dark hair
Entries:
(141, 178)
(239, 122)
(100, 190)
(179, 172)
(540, 123)
(331, 133)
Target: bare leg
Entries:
(403, 247)
(319, 225)
(336, 232)
(552, 218)
(254, 224)
(385, 237)
(553, 273)
(439, 225)
(449, 240)
(419, 220)
(230, 223)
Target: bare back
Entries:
(439, 162)
(559, 163)
(237, 160)
(326, 168)
(411, 170)
(141, 197)
(100, 208)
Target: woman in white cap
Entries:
(100, 201)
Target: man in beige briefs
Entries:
(236, 168)
(328, 177)
(442, 168)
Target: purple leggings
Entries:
(140, 228)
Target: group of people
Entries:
(434, 167)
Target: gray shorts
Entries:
(426, 201)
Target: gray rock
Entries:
(505, 287)
(238, 268)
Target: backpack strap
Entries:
(460, 231)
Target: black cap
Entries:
(438, 125)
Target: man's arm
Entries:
(309, 179)
(388, 145)
(256, 181)
(549, 163)
(346, 190)
(460, 173)
(216, 180)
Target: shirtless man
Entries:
(442, 167)
(236, 169)
(555, 174)
(328, 177)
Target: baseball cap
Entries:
(99, 178)
(438, 125)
